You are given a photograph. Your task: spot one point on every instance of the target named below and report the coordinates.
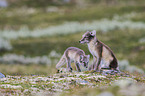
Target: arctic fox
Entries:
(77, 56)
(103, 57)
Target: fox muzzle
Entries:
(82, 42)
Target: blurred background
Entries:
(35, 33)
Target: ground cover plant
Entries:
(83, 83)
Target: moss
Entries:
(69, 87)
(140, 80)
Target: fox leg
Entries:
(97, 66)
(77, 66)
(93, 64)
(69, 65)
(117, 69)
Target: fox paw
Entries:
(93, 71)
(57, 71)
(70, 69)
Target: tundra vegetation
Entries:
(33, 37)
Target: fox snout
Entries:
(85, 65)
(83, 41)
(80, 41)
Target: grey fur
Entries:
(76, 55)
(100, 52)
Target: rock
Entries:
(83, 82)
(11, 86)
(106, 94)
(123, 83)
(2, 75)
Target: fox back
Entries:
(77, 55)
(73, 54)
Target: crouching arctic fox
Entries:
(77, 56)
(103, 56)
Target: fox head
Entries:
(84, 60)
(88, 36)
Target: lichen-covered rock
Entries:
(2, 75)
(59, 83)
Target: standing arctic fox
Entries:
(76, 55)
(103, 56)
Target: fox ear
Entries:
(88, 31)
(93, 33)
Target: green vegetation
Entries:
(26, 70)
(69, 84)
(39, 18)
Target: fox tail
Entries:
(61, 62)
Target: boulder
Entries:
(2, 75)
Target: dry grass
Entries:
(16, 69)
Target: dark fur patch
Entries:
(113, 63)
(99, 49)
(90, 37)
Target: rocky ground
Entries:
(74, 83)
